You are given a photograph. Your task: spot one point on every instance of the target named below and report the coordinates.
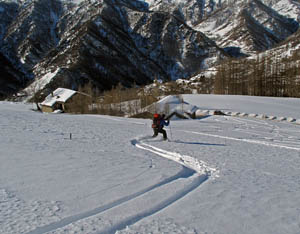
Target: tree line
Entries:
(269, 75)
(123, 101)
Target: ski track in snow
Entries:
(128, 210)
(198, 166)
(184, 173)
(193, 173)
(260, 135)
(245, 140)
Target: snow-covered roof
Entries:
(59, 95)
(172, 104)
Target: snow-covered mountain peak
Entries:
(127, 41)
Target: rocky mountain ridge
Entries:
(239, 25)
(130, 41)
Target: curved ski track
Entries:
(192, 175)
(261, 137)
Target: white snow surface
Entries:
(288, 8)
(270, 106)
(62, 173)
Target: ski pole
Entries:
(171, 131)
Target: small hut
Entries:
(60, 99)
(173, 106)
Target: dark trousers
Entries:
(160, 130)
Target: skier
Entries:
(159, 122)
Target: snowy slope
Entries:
(270, 106)
(217, 175)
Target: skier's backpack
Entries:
(156, 121)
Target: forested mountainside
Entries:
(134, 42)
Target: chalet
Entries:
(61, 99)
(173, 106)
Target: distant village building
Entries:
(173, 106)
(62, 99)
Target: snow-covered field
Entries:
(101, 174)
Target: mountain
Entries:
(240, 27)
(11, 79)
(33, 32)
(105, 42)
(122, 42)
(131, 41)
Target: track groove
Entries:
(190, 175)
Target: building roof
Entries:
(59, 95)
(170, 104)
